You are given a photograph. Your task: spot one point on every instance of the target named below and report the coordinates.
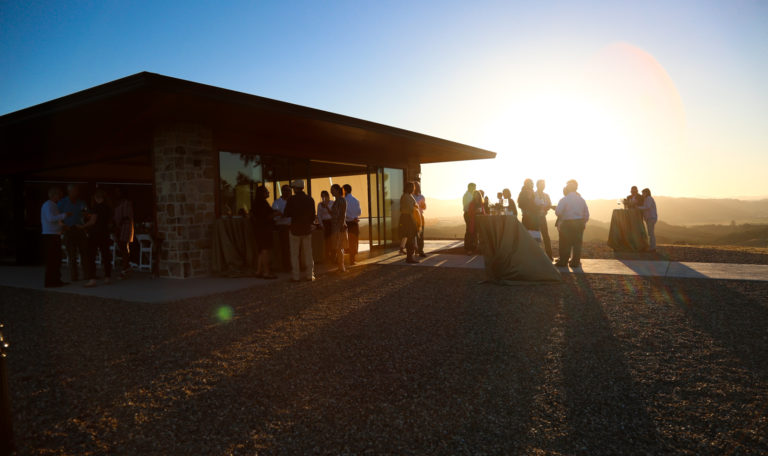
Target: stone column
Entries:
(185, 176)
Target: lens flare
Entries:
(224, 313)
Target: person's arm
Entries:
(586, 213)
(52, 215)
(423, 204)
(91, 221)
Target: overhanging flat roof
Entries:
(118, 119)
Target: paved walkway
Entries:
(621, 267)
(142, 288)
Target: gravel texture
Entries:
(397, 360)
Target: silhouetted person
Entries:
(98, 238)
(476, 207)
(301, 209)
(52, 222)
(544, 204)
(466, 200)
(421, 202)
(408, 227)
(75, 238)
(650, 216)
(282, 223)
(324, 219)
(573, 216)
(527, 204)
(338, 225)
(263, 217)
(634, 199)
(353, 222)
(510, 208)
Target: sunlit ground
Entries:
(396, 360)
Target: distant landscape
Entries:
(694, 221)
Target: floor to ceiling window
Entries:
(377, 189)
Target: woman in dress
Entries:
(324, 220)
(338, 225)
(263, 217)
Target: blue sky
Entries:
(449, 69)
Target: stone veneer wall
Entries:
(185, 178)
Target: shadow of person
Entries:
(605, 409)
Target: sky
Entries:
(668, 95)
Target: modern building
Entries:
(189, 153)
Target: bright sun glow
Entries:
(609, 123)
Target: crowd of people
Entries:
(294, 216)
(87, 231)
(534, 204)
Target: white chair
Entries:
(145, 252)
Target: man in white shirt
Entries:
(651, 216)
(465, 204)
(353, 221)
(573, 214)
(51, 221)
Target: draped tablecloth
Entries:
(234, 250)
(511, 254)
(234, 246)
(627, 231)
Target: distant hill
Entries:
(681, 221)
(749, 235)
(694, 211)
(674, 211)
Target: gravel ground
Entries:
(666, 252)
(390, 360)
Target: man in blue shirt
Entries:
(75, 239)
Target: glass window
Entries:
(239, 175)
(392, 184)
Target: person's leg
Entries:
(71, 245)
(564, 245)
(84, 250)
(106, 257)
(327, 240)
(420, 240)
(544, 230)
(295, 246)
(89, 263)
(467, 237)
(125, 257)
(52, 252)
(651, 224)
(576, 241)
(410, 248)
(285, 248)
(306, 254)
(353, 229)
